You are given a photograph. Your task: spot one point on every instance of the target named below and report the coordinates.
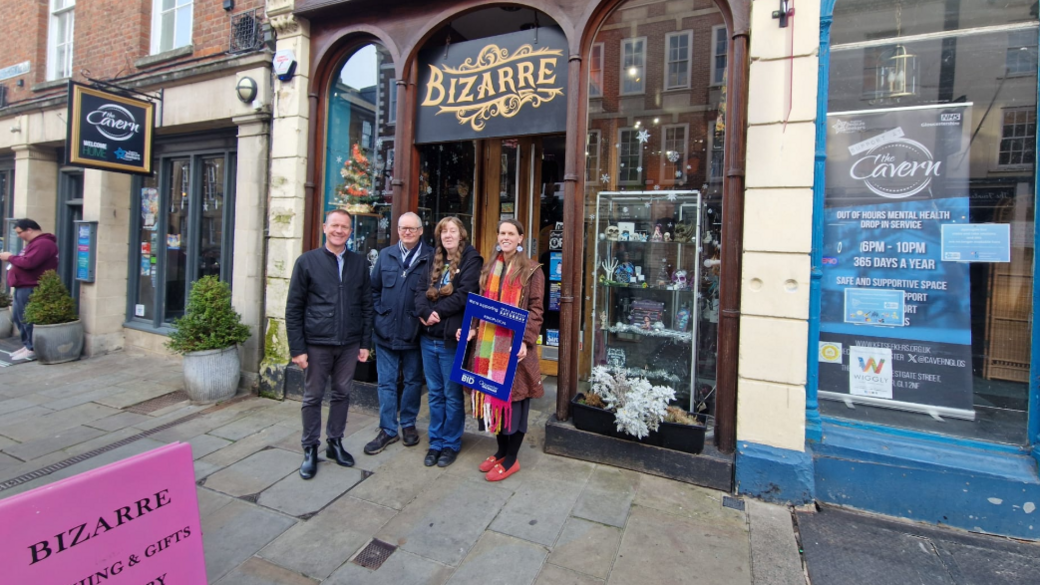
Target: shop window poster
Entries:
(149, 207)
(897, 180)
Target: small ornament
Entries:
(682, 318)
(673, 156)
(671, 196)
(667, 237)
(613, 233)
(625, 273)
(373, 256)
(605, 178)
(657, 237)
(644, 135)
(679, 279)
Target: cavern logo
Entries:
(896, 169)
(496, 84)
(114, 122)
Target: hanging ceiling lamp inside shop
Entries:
(896, 73)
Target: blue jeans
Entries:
(388, 363)
(447, 412)
(25, 330)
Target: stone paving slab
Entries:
(135, 395)
(553, 575)
(203, 470)
(260, 572)
(6, 461)
(211, 501)
(320, 545)
(662, 548)
(296, 496)
(47, 424)
(203, 445)
(19, 416)
(248, 425)
(586, 547)
(254, 474)
(355, 445)
(774, 551)
(79, 398)
(446, 520)
(538, 510)
(207, 422)
(500, 559)
(14, 405)
(402, 568)
(235, 532)
(607, 496)
(59, 440)
(399, 481)
(119, 421)
(239, 450)
(683, 499)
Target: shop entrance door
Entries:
(70, 209)
(523, 180)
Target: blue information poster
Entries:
(897, 180)
(496, 381)
(980, 242)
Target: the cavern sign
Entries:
(508, 85)
(108, 131)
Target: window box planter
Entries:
(679, 437)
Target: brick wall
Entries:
(110, 36)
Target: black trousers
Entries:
(323, 362)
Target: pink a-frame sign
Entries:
(133, 522)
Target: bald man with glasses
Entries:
(395, 277)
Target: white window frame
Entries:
(391, 100)
(1029, 47)
(668, 58)
(709, 153)
(714, 54)
(639, 148)
(592, 174)
(1026, 140)
(157, 13)
(54, 69)
(624, 70)
(669, 178)
(594, 66)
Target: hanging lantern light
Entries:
(896, 73)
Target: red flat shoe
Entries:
(498, 473)
(489, 463)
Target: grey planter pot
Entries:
(6, 325)
(57, 344)
(212, 375)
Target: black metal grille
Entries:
(735, 503)
(160, 402)
(247, 31)
(374, 554)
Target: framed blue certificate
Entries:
(494, 360)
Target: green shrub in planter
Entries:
(5, 300)
(209, 321)
(50, 303)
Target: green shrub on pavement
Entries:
(50, 303)
(209, 321)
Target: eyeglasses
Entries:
(409, 230)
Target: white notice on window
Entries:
(139, 310)
(870, 372)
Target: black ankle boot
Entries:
(310, 462)
(337, 453)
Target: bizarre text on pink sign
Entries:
(134, 522)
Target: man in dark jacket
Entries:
(395, 277)
(328, 320)
(39, 255)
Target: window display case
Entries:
(646, 295)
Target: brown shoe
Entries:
(411, 436)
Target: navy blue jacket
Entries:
(452, 307)
(324, 309)
(393, 297)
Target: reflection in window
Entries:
(1018, 137)
(1021, 52)
(178, 202)
(633, 65)
(596, 71)
(359, 138)
(719, 46)
(592, 156)
(673, 148)
(678, 46)
(446, 177)
(630, 157)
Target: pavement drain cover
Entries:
(375, 554)
(160, 402)
(735, 503)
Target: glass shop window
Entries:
(929, 202)
(359, 145)
(182, 231)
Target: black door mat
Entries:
(849, 548)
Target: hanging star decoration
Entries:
(671, 196)
(647, 204)
(639, 169)
(339, 159)
(644, 135)
(678, 174)
(384, 223)
(605, 178)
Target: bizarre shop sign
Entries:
(135, 521)
(508, 85)
(897, 180)
(496, 377)
(109, 132)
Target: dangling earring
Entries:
(498, 248)
(519, 248)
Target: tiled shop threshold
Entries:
(49, 469)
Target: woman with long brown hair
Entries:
(453, 273)
(510, 277)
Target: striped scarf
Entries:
(494, 345)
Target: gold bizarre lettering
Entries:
(520, 83)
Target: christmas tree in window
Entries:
(355, 193)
